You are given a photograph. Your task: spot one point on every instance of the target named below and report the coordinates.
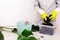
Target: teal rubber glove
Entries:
(22, 26)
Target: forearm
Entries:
(39, 10)
(37, 7)
(57, 9)
(58, 5)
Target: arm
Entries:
(40, 10)
(55, 11)
(58, 5)
(37, 7)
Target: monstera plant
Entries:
(26, 35)
(1, 36)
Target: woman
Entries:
(47, 8)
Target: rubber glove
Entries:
(54, 14)
(44, 16)
(22, 25)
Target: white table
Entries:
(9, 35)
(13, 36)
(56, 36)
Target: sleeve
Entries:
(58, 5)
(37, 7)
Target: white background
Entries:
(12, 11)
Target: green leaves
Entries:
(26, 38)
(1, 36)
(21, 37)
(26, 33)
(32, 38)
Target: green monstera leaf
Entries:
(32, 38)
(1, 36)
(26, 38)
(22, 37)
(26, 33)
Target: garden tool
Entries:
(8, 29)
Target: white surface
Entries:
(13, 36)
(9, 36)
(56, 36)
